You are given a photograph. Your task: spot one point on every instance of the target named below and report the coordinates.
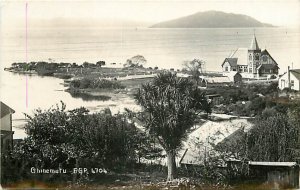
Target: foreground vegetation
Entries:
(58, 138)
(67, 139)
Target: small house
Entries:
(290, 79)
(284, 174)
(6, 127)
(235, 77)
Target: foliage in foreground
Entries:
(66, 139)
(274, 137)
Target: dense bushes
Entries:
(247, 100)
(273, 137)
(96, 83)
(66, 139)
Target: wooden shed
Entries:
(285, 174)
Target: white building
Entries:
(251, 63)
(290, 79)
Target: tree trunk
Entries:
(171, 165)
(75, 174)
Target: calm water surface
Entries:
(164, 48)
(44, 92)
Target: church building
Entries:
(251, 63)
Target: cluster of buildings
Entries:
(253, 64)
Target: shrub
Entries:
(96, 84)
(68, 139)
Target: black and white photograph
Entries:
(150, 94)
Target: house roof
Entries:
(296, 73)
(223, 79)
(286, 164)
(206, 136)
(232, 138)
(254, 44)
(5, 110)
(232, 61)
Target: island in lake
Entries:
(212, 19)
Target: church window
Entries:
(265, 58)
(250, 70)
(256, 57)
(226, 68)
(250, 57)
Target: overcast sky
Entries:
(276, 12)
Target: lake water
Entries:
(165, 48)
(44, 92)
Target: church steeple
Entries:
(254, 56)
(254, 44)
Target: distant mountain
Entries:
(212, 19)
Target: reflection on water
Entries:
(89, 97)
(45, 92)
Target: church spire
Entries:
(254, 44)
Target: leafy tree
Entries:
(272, 139)
(136, 61)
(195, 67)
(170, 107)
(100, 63)
(87, 64)
(44, 68)
(294, 120)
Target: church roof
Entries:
(254, 44)
(265, 52)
